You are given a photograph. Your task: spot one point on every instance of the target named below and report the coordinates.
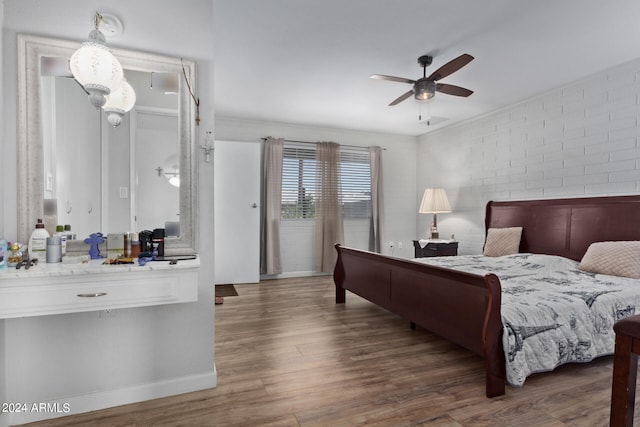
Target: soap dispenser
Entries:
(38, 242)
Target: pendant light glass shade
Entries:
(118, 102)
(96, 69)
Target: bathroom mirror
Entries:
(32, 180)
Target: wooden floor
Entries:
(287, 355)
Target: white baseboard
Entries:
(292, 274)
(109, 398)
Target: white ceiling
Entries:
(308, 61)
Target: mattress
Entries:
(552, 312)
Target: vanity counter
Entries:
(47, 289)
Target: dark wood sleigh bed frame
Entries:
(465, 308)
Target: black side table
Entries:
(435, 248)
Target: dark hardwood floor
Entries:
(287, 355)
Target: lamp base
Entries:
(434, 235)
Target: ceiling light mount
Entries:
(111, 26)
(424, 61)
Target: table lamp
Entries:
(435, 201)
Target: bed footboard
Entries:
(461, 307)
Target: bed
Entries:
(466, 307)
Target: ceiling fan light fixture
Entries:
(424, 89)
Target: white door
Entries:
(237, 212)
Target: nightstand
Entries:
(435, 248)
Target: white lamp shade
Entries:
(118, 102)
(434, 200)
(97, 70)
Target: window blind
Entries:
(299, 168)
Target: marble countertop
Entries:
(95, 266)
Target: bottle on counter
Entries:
(38, 242)
(158, 242)
(135, 245)
(69, 233)
(126, 250)
(15, 255)
(4, 253)
(63, 238)
(54, 249)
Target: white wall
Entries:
(3, 165)
(399, 169)
(46, 358)
(577, 140)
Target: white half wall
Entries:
(578, 140)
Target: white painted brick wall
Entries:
(577, 140)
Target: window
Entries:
(299, 182)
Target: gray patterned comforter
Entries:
(552, 312)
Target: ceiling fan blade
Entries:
(391, 78)
(453, 90)
(451, 67)
(401, 98)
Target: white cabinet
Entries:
(58, 288)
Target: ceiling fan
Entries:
(426, 87)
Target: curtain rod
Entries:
(311, 142)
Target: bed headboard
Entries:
(566, 227)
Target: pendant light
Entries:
(95, 68)
(118, 102)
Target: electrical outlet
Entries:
(399, 245)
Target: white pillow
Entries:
(502, 241)
(613, 258)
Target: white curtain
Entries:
(270, 259)
(329, 226)
(376, 233)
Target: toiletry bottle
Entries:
(63, 238)
(126, 251)
(158, 242)
(135, 245)
(38, 242)
(4, 253)
(70, 235)
(15, 255)
(54, 249)
(145, 237)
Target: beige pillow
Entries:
(613, 258)
(502, 241)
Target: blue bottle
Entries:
(4, 252)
